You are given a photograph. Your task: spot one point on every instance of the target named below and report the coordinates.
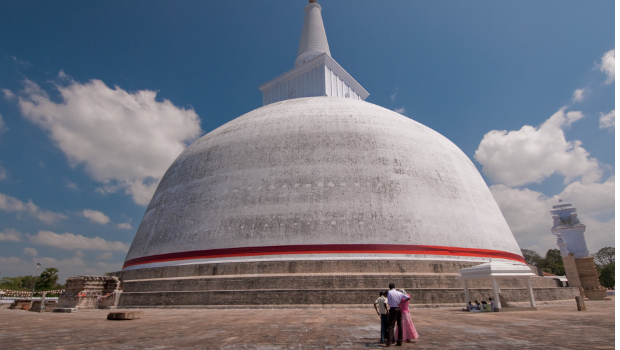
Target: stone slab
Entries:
(65, 309)
(125, 315)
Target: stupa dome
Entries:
(321, 178)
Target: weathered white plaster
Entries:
(569, 231)
(403, 184)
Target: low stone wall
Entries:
(322, 281)
(329, 296)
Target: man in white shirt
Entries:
(383, 313)
(395, 317)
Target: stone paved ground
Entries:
(551, 327)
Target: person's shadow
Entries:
(371, 343)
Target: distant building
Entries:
(569, 231)
(579, 265)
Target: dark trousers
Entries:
(384, 327)
(395, 317)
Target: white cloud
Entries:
(30, 251)
(607, 120)
(593, 198)
(578, 95)
(532, 154)
(10, 234)
(527, 213)
(2, 125)
(401, 110)
(70, 241)
(105, 256)
(11, 204)
(393, 96)
(20, 62)
(124, 226)
(72, 185)
(124, 140)
(95, 216)
(13, 266)
(608, 65)
(9, 260)
(3, 174)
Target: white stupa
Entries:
(318, 173)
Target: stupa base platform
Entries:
(317, 282)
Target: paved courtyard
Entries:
(558, 326)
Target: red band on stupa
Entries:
(324, 249)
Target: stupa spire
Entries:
(316, 73)
(313, 40)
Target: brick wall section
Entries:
(328, 296)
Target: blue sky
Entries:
(98, 98)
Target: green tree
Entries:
(605, 260)
(607, 276)
(531, 257)
(47, 280)
(17, 283)
(605, 256)
(552, 263)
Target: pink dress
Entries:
(409, 331)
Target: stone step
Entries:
(318, 281)
(430, 296)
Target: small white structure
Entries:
(495, 270)
(569, 231)
(562, 279)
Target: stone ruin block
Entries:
(91, 292)
(18, 304)
(126, 315)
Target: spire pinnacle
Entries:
(313, 40)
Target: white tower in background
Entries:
(316, 73)
(568, 230)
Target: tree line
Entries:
(552, 263)
(48, 280)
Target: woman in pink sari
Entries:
(409, 331)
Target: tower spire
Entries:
(313, 40)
